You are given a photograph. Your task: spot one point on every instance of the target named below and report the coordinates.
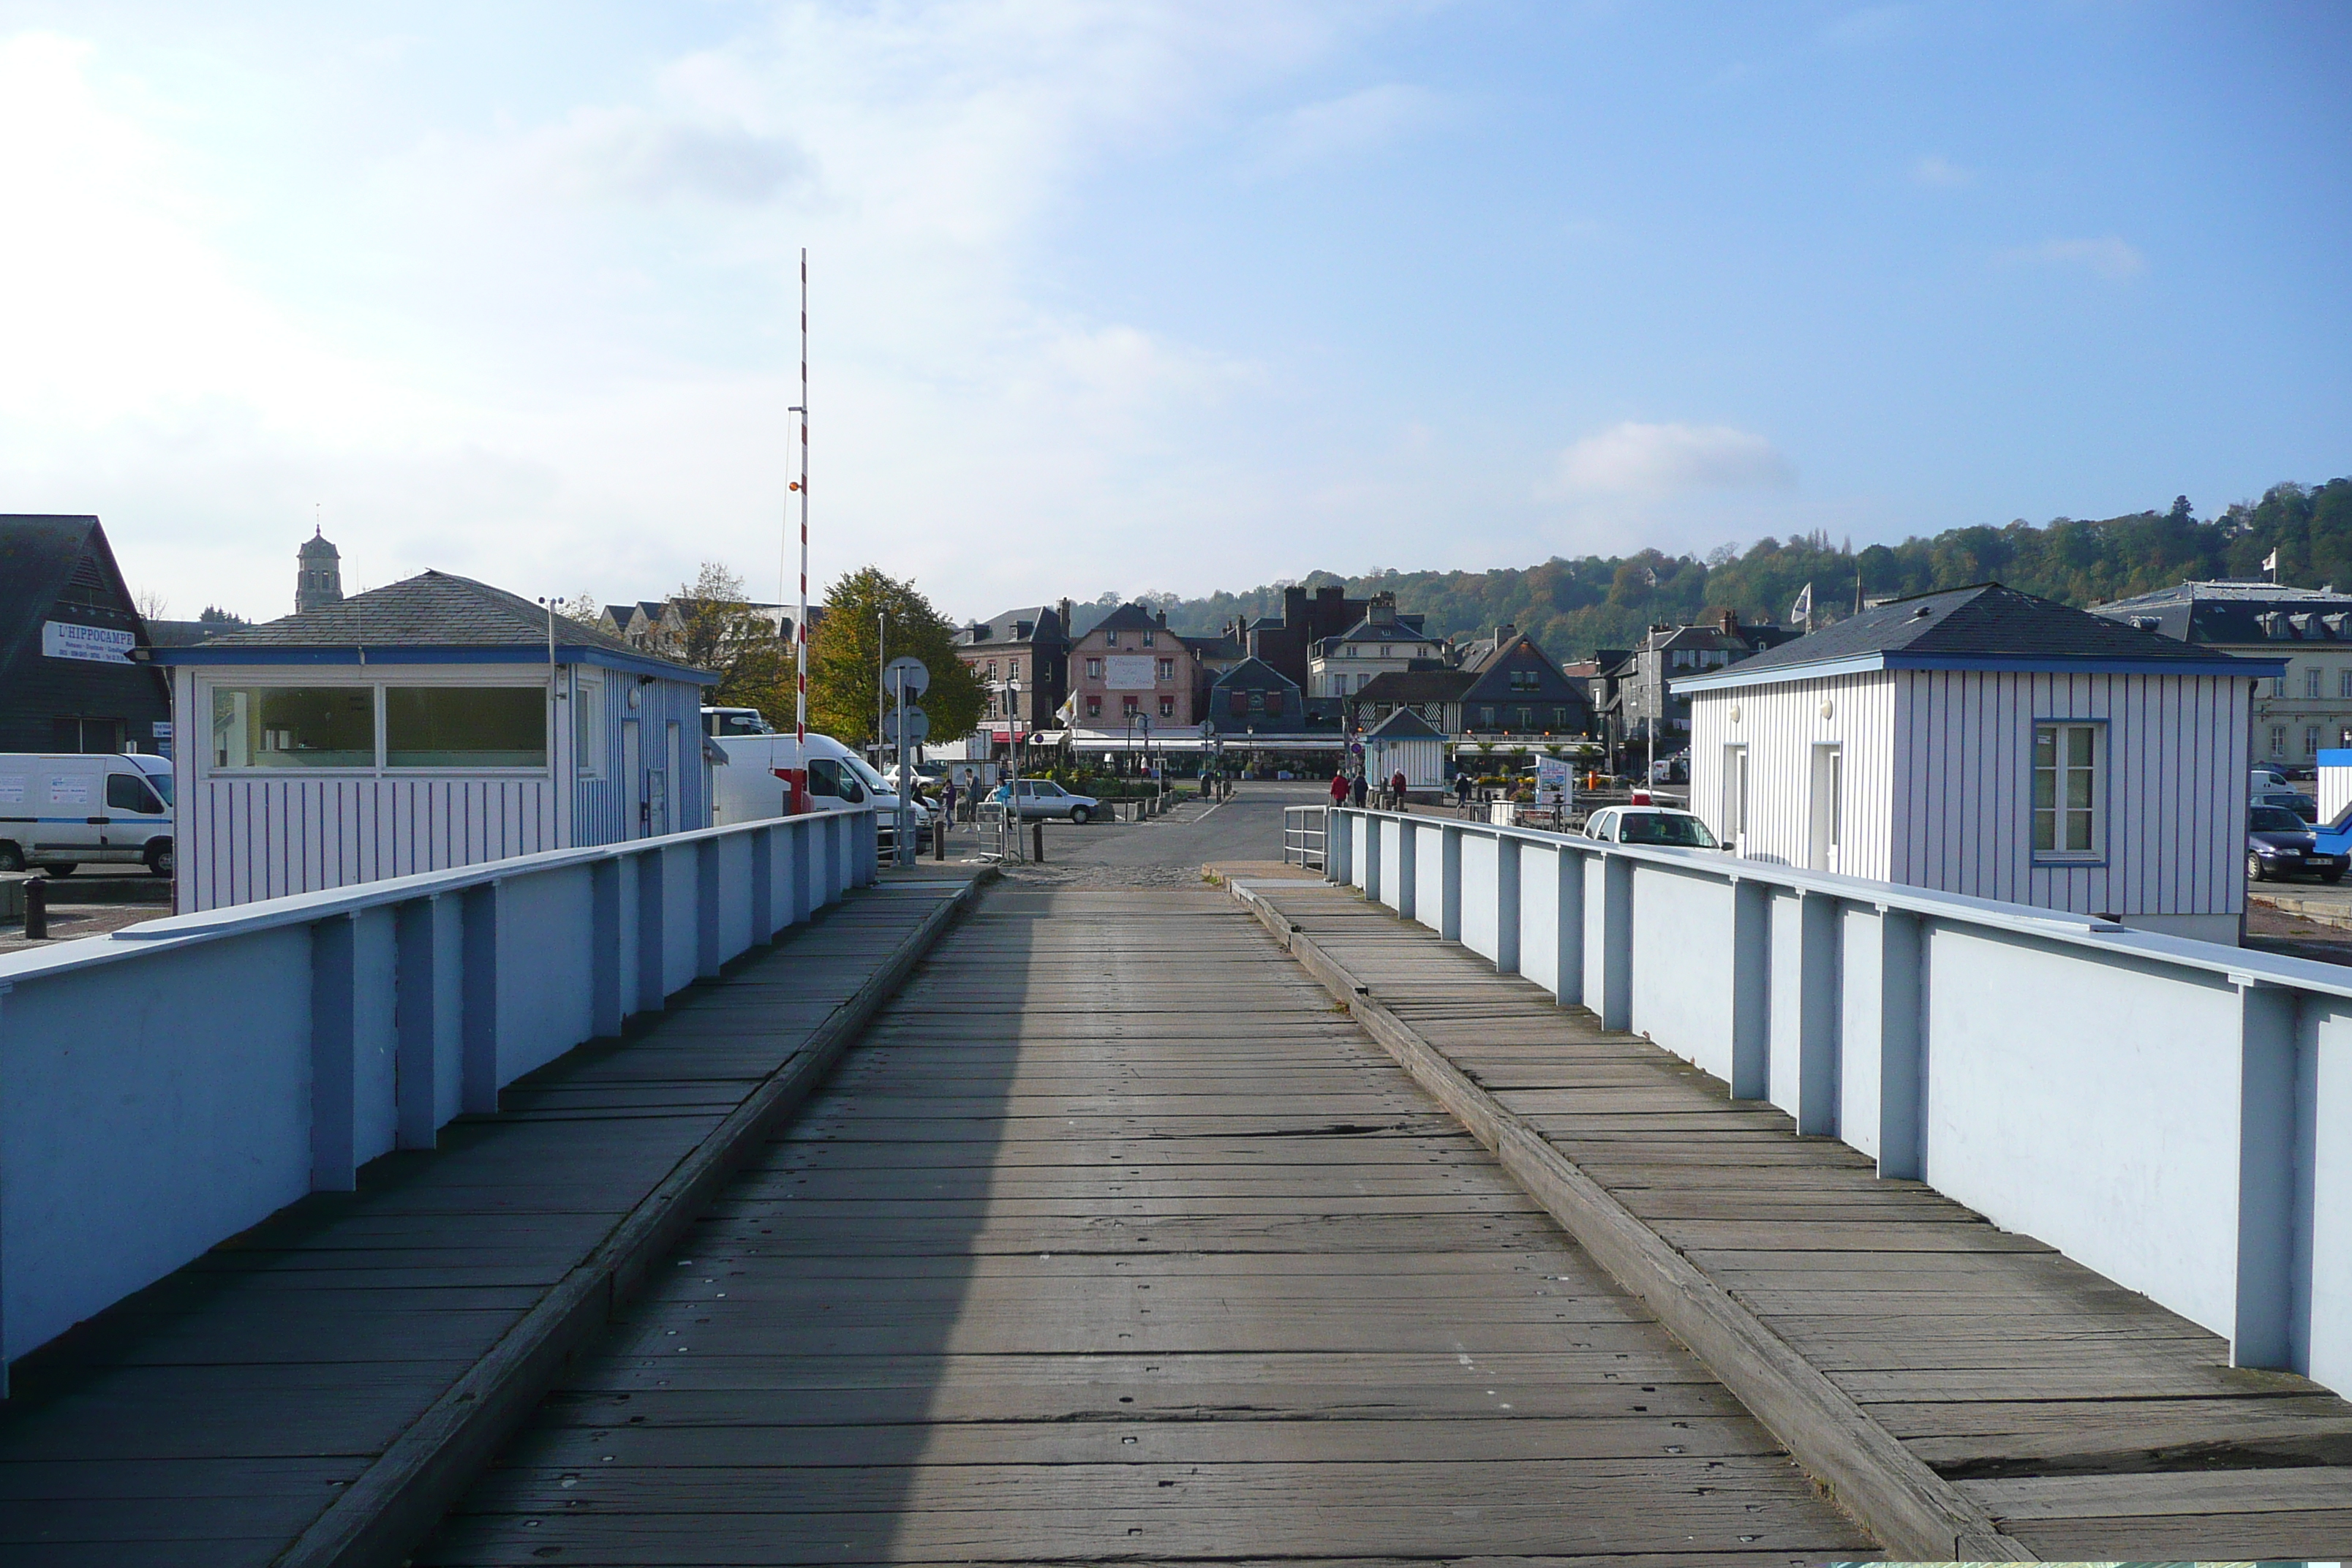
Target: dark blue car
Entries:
(2281, 844)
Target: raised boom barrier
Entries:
(2174, 1114)
(169, 1086)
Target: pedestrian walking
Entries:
(1462, 793)
(1397, 789)
(1356, 790)
(1340, 786)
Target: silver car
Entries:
(1043, 797)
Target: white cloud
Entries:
(1663, 460)
(631, 154)
(1361, 121)
(2109, 258)
(1932, 169)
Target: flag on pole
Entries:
(1803, 608)
(2270, 564)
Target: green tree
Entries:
(844, 669)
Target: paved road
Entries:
(1166, 851)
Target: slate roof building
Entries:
(1381, 643)
(1030, 645)
(433, 723)
(1630, 696)
(1985, 741)
(69, 678)
(1508, 689)
(2307, 709)
(1253, 695)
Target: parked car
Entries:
(1657, 825)
(1043, 797)
(2279, 843)
(2292, 800)
(60, 811)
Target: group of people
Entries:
(1351, 789)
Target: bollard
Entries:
(1037, 842)
(37, 909)
(939, 837)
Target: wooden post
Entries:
(653, 964)
(707, 944)
(1902, 1042)
(1506, 904)
(1616, 1007)
(2271, 1326)
(334, 1036)
(1752, 990)
(607, 1006)
(417, 1019)
(478, 1044)
(1817, 1013)
(1568, 891)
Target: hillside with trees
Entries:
(1573, 606)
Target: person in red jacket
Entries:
(1340, 787)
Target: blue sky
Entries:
(1152, 297)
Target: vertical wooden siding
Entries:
(1779, 725)
(2173, 786)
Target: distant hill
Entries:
(1574, 606)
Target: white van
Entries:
(747, 787)
(58, 811)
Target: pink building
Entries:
(1132, 667)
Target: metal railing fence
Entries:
(168, 1085)
(2174, 1114)
(1304, 831)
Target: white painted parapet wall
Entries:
(167, 1087)
(2174, 1114)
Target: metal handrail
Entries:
(1306, 835)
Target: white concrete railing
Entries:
(2174, 1114)
(167, 1087)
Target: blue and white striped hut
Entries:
(1984, 741)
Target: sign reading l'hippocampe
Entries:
(98, 645)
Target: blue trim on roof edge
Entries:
(575, 653)
(2226, 665)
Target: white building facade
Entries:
(1993, 746)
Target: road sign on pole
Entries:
(906, 674)
(907, 727)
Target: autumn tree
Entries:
(844, 658)
(719, 631)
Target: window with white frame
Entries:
(2066, 789)
(465, 727)
(293, 726)
(2310, 682)
(588, 722)
(2344, 682)
(2311, 739)
(2278, 740)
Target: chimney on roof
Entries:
(1504, 633)
(1163, 617)
(1381, 611)
(1726, 621)
(1063, 607)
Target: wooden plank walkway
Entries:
(214, 1418)
(1115, 1241)
(2089, 1422)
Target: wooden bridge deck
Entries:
(220, 1415)
(1114, 1240)
(2084, 1419)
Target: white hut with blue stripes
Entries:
(1985, 741)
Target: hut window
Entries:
(588, 723)
(293, 726)
(2065, 789)
(465, 727)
